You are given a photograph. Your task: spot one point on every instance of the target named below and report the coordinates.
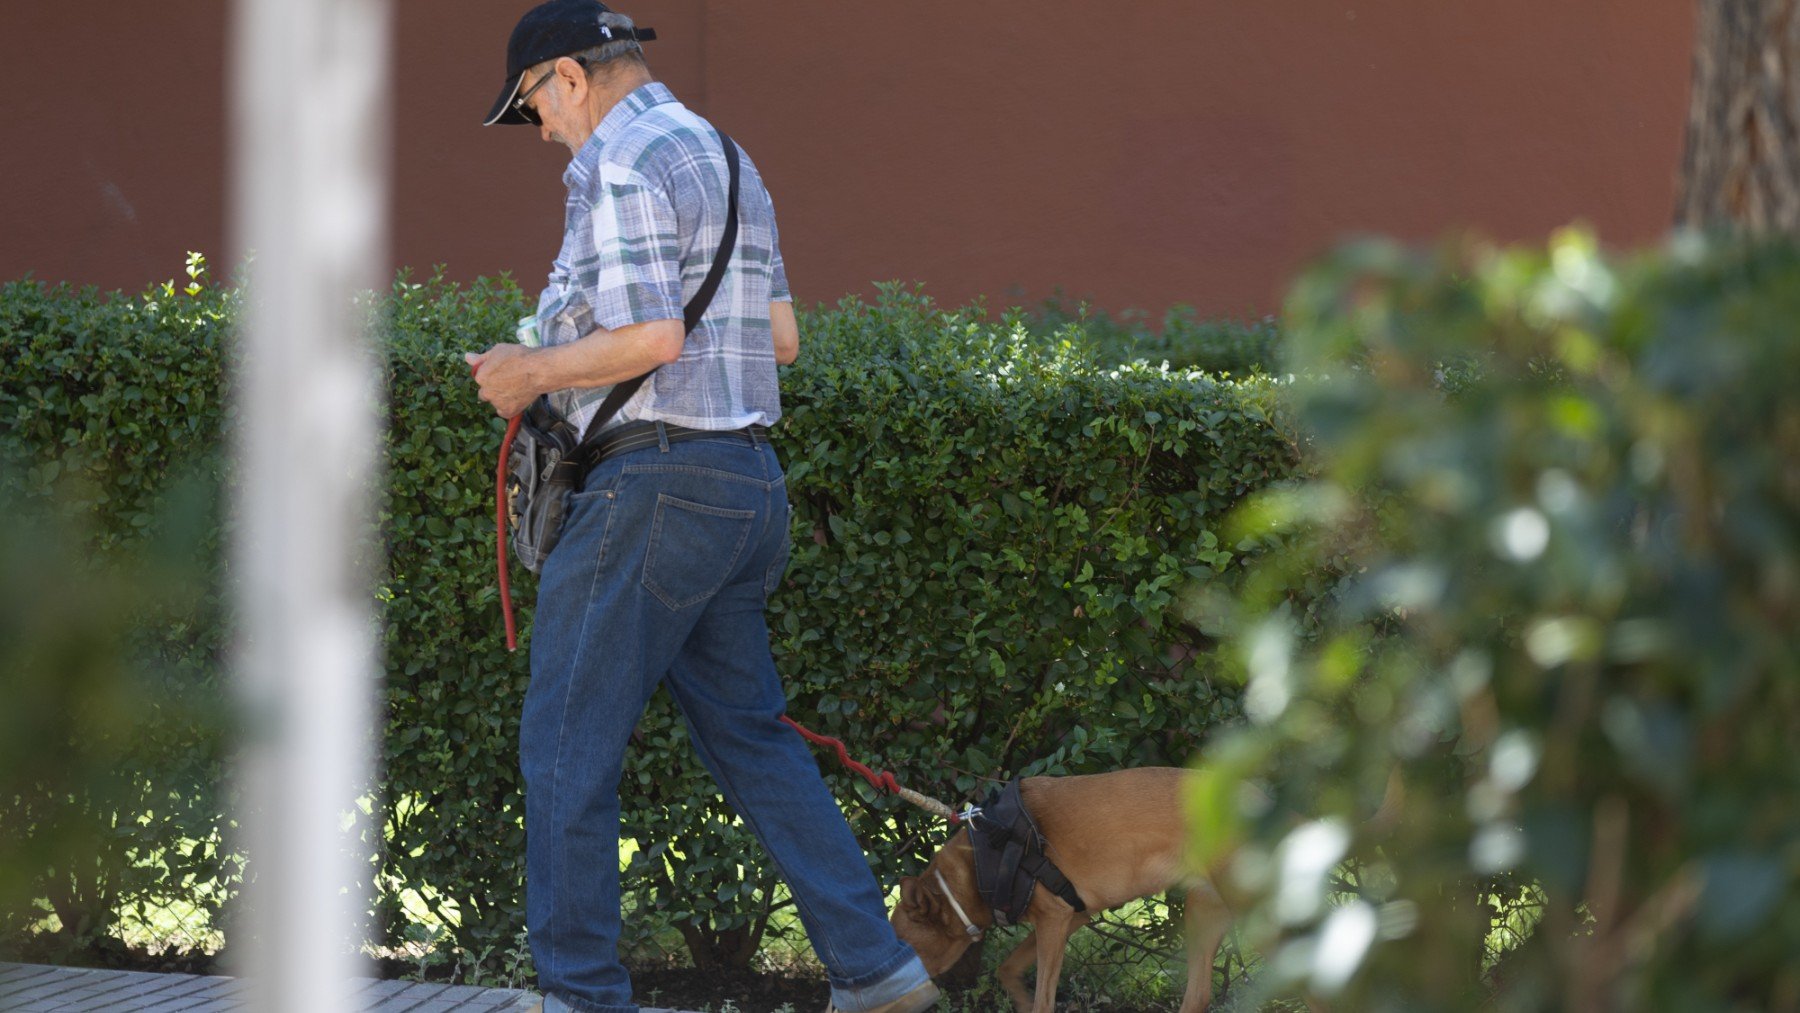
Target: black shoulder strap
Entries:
(1038, 866)
(695, 308)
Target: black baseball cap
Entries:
(550, 30)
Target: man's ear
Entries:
(574, 76)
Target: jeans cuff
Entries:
(889, 982)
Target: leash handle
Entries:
(506, 607)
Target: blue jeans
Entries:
(661, 577)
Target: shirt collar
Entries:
(636, 103)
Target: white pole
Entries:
(309, 90)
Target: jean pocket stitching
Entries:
(596, 492)
(696, 470)
(782, 518)
(772, 576)
(664, 502)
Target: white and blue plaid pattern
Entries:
(646, 210)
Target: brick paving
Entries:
(39, 988)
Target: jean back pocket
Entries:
(694, 549)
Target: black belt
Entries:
(623, 439)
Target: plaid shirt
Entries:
(646, 211)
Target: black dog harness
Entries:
(1010, 858)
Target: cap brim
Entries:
(503, 111)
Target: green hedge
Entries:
(993, 522)
(1181, 339)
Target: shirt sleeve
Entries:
(633, 272)
(778, 282)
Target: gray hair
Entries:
(623, 48)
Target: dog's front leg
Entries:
(1053, 932)
(1012, 971)
(1207, 920)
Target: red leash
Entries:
(506, 609)
(512, 429)
(882, 780)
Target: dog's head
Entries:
(925, 920)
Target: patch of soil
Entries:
(110, 955)
(687, 988)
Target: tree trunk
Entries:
(716, 949)
(1742, 164)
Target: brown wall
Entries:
(1141, 153)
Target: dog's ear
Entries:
(909, 892)
(926, 899)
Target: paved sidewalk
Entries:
(37, 988)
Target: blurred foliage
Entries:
(110, 618)
(992, 522)
(1539, 698)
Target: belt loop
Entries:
(662, 436)
(754, 438)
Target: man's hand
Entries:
(512, 376)
(504, 374)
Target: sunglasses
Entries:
(526, 111)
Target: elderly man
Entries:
(678, 534)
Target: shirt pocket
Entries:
(567, 319)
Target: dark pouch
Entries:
(542, 470)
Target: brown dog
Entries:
(1116, 836)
